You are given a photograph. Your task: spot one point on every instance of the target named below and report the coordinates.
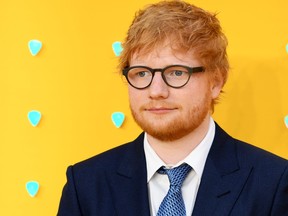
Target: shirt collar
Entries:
(196, 159)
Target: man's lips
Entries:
(160, 110)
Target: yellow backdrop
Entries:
(74, 84)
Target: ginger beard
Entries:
(172, 127)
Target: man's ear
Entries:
(216, 86)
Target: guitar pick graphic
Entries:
(32, 188)
(286, 121)
(34, 117)
(117, 48)
(287, 48)
(34, 47)
(118, 119)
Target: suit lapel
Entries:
(222, 179)
(130, 185)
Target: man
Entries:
(174, 59)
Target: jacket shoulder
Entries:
(248, 153)
(111, 158)
(243, 153)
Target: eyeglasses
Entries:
(175, 76)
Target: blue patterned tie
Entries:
(173, 204)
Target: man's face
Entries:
(167, 113)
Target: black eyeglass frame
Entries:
(190, 70)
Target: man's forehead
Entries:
(160, 51)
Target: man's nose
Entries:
(158, 88)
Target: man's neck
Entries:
(171, 152)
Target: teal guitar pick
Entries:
(117, 48)
(34, 47)
(118, 119)
(34, 117)
(32, 188)
(286, 121)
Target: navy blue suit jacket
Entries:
(238, 180)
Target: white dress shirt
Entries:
(158, 185)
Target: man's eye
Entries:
(178, 73)
(142, 74)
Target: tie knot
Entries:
(176, 175)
